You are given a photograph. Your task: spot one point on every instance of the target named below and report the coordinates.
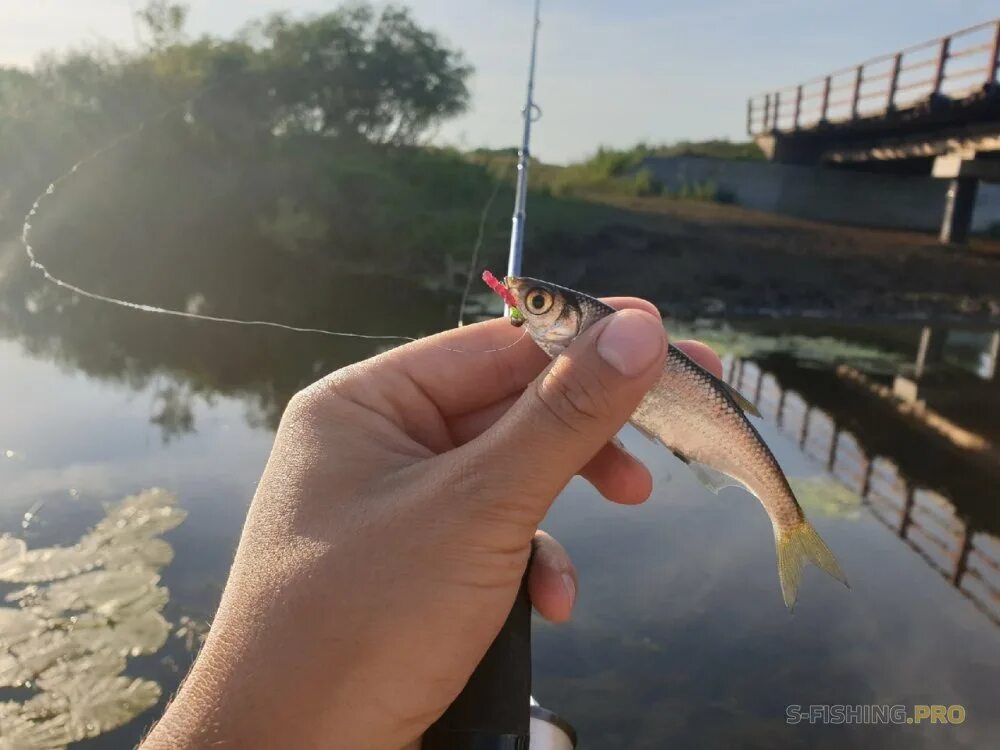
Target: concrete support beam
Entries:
(959, 167)
(967, 140)
(993, 358)
(906, 389)
(958, 206)
(790, 148)
(931, 349)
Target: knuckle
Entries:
(324, 394)
(573, 398)
(301, 404)
(308, 405)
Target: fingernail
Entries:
(570, 585)
(630, 342)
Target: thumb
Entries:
(571, 410)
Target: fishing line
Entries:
(474, 261)
(141, 307)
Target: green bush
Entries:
(646, 184)
(715, 149)
(617, 171)
(701, 191)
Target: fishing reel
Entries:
(549, 731)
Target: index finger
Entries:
(471, 367)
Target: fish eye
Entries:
(538, 301)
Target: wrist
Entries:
(191, 719)
(231, 699)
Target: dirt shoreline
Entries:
(700, 259)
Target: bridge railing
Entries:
(954, 67)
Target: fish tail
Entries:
(799, 545)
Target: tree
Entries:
(164, 21)
(355, 72)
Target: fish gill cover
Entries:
(86, 609)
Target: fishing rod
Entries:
(495, 710)
(531, 113)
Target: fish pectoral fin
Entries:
(656, 439)
(741, 401)
(714, 479)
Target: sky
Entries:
(609, 73)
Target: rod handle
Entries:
(492, 711)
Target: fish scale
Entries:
(698, 417)
(688, 395)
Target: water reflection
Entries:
(959, 546)
(187, 361)
(680, 638)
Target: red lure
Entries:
(497, 286)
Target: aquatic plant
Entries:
(825, 349)
(86, 609)
(826, 496)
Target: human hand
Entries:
(393, 524)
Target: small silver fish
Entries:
(699, 418)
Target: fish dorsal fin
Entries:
(714, 479)
(741, 401)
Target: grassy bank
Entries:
(619, 172)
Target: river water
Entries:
(680, 637)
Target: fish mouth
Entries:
(513, 283)
(513, 286)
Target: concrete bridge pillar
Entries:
(993, 358)
(931, 349)
(965, 170)
(958, 204)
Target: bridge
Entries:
(931, 109)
